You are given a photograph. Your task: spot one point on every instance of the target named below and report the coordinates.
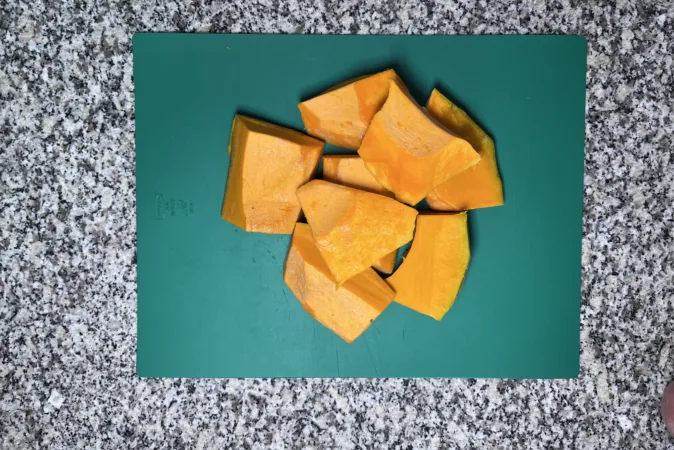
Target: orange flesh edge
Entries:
(341, 115)
(408, 152)
(267, 165)
(478, 187)
(354, 229)
(429, 279)
(347, 311)
(349, 170)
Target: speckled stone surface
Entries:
(67, 245)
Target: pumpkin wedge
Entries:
(354, 229)
(349, 170)
(408, 152)
(479, 186)
(430, 277)
(267, 165)
(347, 311)
(341, 115)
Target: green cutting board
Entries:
(211, 297)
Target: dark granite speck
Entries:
(67, 245)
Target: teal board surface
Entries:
(211, 297)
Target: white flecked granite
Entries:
(67, 245)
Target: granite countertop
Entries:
(67, 245)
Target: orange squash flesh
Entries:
(347, 311)
(430, 277)
(341, 115)
(408, 152)
(267, 165)
(349, 170)
(478, 187)
(354, 229)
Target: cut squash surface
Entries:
(350, 170)
(431, 275)
(354, 229)
(348, 310)
(267, 165)
(408, 152)
(479, 186)
(340, 116)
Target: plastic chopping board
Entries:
(211, 297)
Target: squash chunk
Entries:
(341, 115)
(354, 229)
(430, 277)
(478, 187)
(267, 165)
(349, 170)
(347, 311)
(408, 152)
